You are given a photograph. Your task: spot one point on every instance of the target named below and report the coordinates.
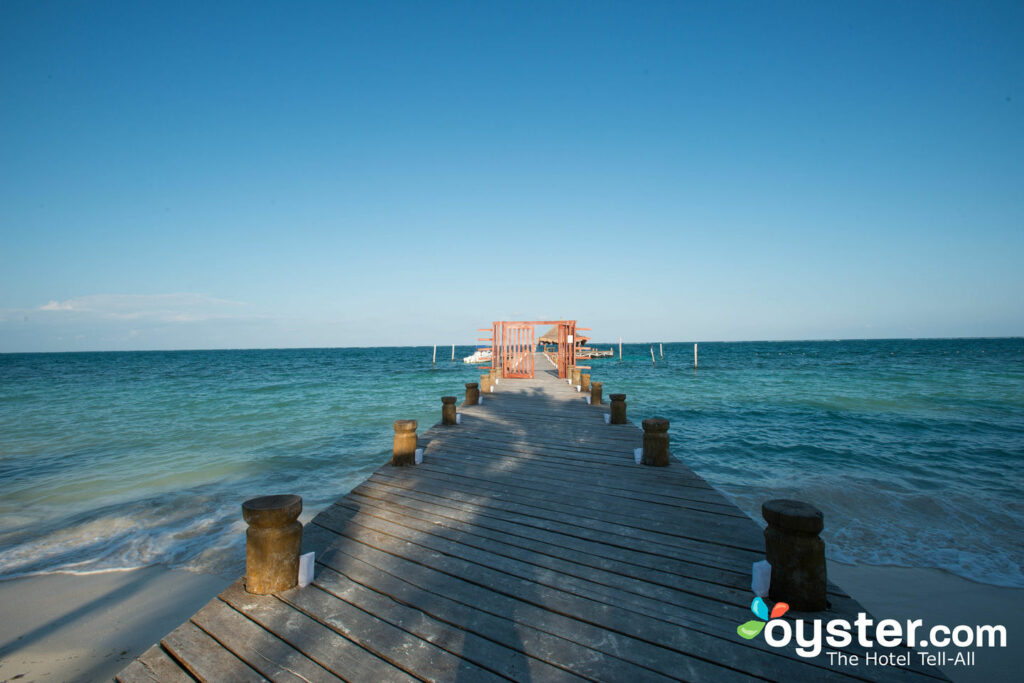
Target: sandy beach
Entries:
(938, 597)
(87, 628)
(63, 627)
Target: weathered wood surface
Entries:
(527, 546)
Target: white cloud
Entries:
(167, 308)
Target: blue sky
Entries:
(205, 175)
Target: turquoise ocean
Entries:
(914, 449)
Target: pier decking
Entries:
(529, 546)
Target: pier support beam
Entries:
(796, 553)
(655, 442)
(272, 543)
(595, 393)
(618, 414)
(448, 410)
(404, 452)
(472, 394)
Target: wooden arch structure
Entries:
(513, 343)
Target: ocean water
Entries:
(914, 449)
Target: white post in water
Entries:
(652, 354)
(453, 353)
(620, 349)
(434, 359)
(694, 356)
(661, 350)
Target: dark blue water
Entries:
(913, 448)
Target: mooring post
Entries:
(576, 376)
(485, 383)
(448, 410)
(595, 393)
(493, 378)
(404, 452)
(273, 542)
(655, 442)
(618, 414)
(796, 553)
(472, 394)
(585, 381)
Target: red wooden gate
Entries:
(517, 350)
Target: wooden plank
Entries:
(257, 647)
(403, 649)
(205, 658)
(690, 646)
(638, 596)
(699, 540)
(154, 665)
(488, 654)
(654, 500)
(493, 616)
(318, 642)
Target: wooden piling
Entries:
(272, 543)
(655, 442)
(448, 410)
(595, 393)
(404, 452)
(618, 409)
(472, 394)
(796, 554)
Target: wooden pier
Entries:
(528, 545)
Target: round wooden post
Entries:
(575, 376)
(493, 375)
(404, 452)
(273, 542)
(655, 442)
(448, 410)
(618, 416)
(796, 553)
(472, 394)
(485, 383)
(585, 381)
(595, 393)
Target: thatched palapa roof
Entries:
(551, 337)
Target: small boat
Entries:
(481, 356)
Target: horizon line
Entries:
(427, 346)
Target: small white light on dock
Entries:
(479, 400)
(458, 418)
(307, 568)
(418, 458)
(638, 453)
(607, 416)
(761, 578)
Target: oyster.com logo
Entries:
(752, 628)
